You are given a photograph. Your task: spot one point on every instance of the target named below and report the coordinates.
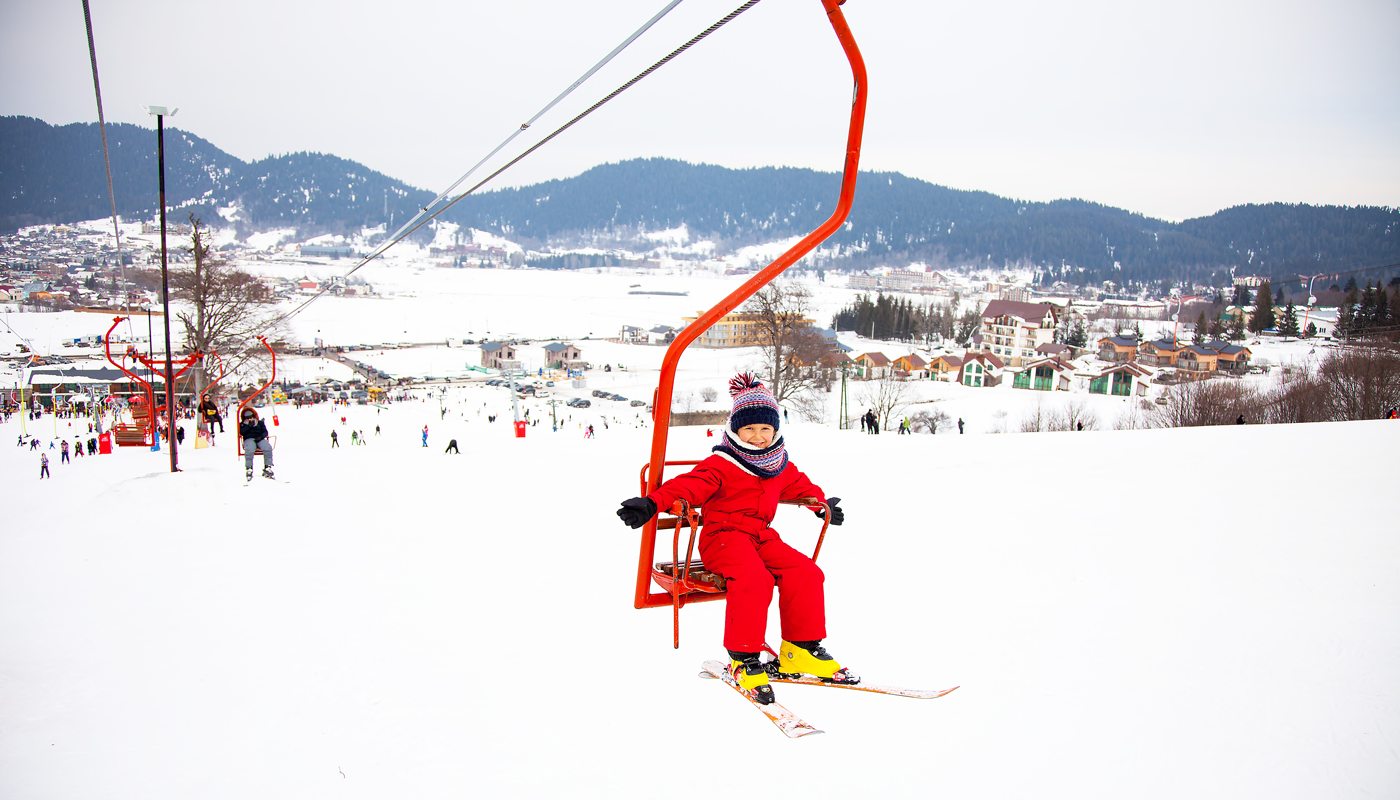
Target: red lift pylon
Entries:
(126, 435)
(248, 400)
(681, 586)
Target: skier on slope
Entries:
(253, 432)
(738, 489)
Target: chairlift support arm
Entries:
(661, 400)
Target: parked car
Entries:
(639, 403)
(599, 393)
(618, 397)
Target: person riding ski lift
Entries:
(253, 432)
(738, 489)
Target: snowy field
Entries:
(1146, 614)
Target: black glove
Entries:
(637, 511)
(837, 515)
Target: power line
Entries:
(102, 128)
(420, 219)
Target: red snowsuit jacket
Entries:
(732, 497)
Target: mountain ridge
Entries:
(54, 174)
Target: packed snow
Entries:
(1205, 612)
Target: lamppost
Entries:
(1312, 299)
(160, 113)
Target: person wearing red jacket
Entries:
(738, 489)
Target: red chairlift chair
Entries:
(687, 581)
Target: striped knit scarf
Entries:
(765, 463)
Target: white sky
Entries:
(1175, 110)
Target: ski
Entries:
(789, 723)
(898, 691)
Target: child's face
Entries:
(756, 435)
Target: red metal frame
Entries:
(238, 418)
(661, 400)
(150, 393)
(132, 352)
(677, 583)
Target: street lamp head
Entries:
(160, 111)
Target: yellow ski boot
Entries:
(810, 658)
(748, 672)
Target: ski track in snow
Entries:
(1147, 614)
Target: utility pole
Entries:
(843, 422)
(160, 113)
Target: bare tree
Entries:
(811, 406)
(709, 394)
(931, 420)
(789, 347)
(228, 308)
(1037, 419)
(1360, 382)
(886, 396)
(1208, 402)
(1072, 415)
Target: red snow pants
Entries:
(752, 566)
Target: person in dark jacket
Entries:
(210, 410)
(253, 432)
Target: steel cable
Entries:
(406, 230)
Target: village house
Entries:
(498, 355)
(1012, 330)
(631, 334)
(911, 366)
(872, 365)
(946, 367)
(1120, 380)
(1160, 352)
(833, 361)
(1118, 349)
(558, 355)
(1197, 358)
(1231, 358)
(738, 330)
(1045, 375)
(981, 369)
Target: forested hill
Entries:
(897, 219)
(55, 174)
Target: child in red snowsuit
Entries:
(738, 489)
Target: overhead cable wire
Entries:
(422, 220)
(1301, 278)
(106, 160)
(411, 225)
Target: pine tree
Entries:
(1365, 320)
(1079, 334)
(1237, 327)
(1289, 326)
(1346, 318)
(1198, 336)
(1263, 317)
(1217, 327)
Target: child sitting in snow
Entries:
(738, 489)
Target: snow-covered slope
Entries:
(1144, 614)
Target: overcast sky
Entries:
(1175, 110)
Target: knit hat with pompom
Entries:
(753, 403)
